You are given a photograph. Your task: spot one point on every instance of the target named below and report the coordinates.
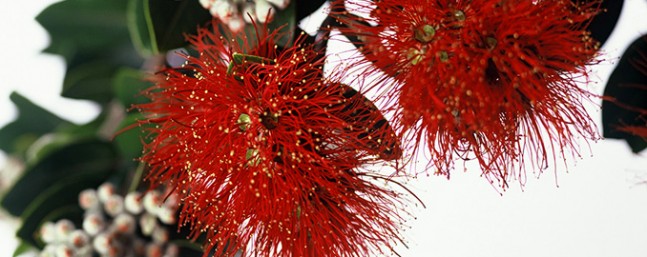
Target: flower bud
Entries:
(79, 238)
(264, 11)
(160, 234)
(105, 190)
(152, 202)
(93, 223)
(102, 242)
(114, 205)
(166, 215)
(63, 229)
(48, 232)
(89, 199)
(153, 250)
(49, 251)
(147, 223)
(172, 251)
(64, 251)
(133, 202)
(124, 223)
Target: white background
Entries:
(598, 208)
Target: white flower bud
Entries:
(153, 250)
(79, 239)
(248, 10)
(222, 10)
(105, 190)
(152, 202)
(147, 222)
(114, 205)
(64, 251)
(264, 11)
(236, 23)
(49, 251)
(133, 202)
(172, 251)
(48, 232)
(88, 199)
(281, 4)
(166, 215)
(102, 242)
(63, 229)
(124, 223)
(85, 251)
(93, 223)
(160, 234)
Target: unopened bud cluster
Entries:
(235, 13)
(114, 225)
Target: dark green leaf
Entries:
(128, 85)
(129, 140)
(88, 162)
(627, 95)
(84, 26)
(32, 122)
(79, 26)
(603, 24)
(92, 36)
(23, 247)
(92, 80)
(306, 8)
(161, 25)
(59, 201)
(140, 27)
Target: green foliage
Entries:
(158, 26)
(33, 121)
(626, 91)
(92, 36)
(49, 188)
(128, 85)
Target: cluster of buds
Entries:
(235, 13)
(114, 225)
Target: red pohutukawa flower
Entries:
(267, 155)
(491, 80)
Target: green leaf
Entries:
(59, 201)
(128, 85)
(23, 247)
(161, 25)
(33, 121)
(88, 162)
(92, 36)
(129, 139)
(91, 80)
(84, 26)
(140, 27)
(626, 95)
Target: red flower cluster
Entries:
(267, 155)
(492, 80)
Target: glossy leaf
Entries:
(627, 95)
(128, 85)
(91, 80)
(78, 27)
(161, 25)
(130, 138)
(603, 24)
(88, 162)
(22, 248)
(92, 36)
(33, 121)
